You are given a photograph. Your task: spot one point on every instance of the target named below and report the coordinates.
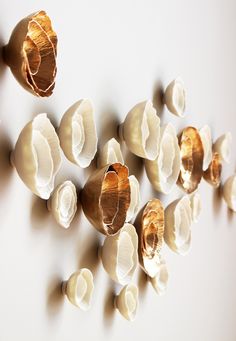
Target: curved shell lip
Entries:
(134, 198)
(36, 168)
(213, 173)
(31, 54)
(112, 252)
(205, 134)
(141, 130)
(105, 198)
(150, 227)
(128, 298)
(191, 152)
(196, 206)
(77, 133)
(160, 281)
(63, 203)
(110, 153)
(229, 192)
(155, 169)
(222, 146)
(174, 97)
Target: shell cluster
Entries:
(110, 198)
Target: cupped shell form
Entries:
(196, 206)
(77, 133)
(110, 153)
(163, 172)
(63, 203)
(127, 302)
(150, 227)
(213, 173)
(119, 254)
(141, 130)
(229, 192)
(178, 220)
(222, 146)
(37, 156)
(134, 198)
(79, 288)
(205, 134)
(191, 152)
(31, 54)
(160, 281)
(105, 198)
(174, 97)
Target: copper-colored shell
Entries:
(191, 151)
(31, 54)
(105, 198)
(150, 227)
(213, 172)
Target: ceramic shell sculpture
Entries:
(77, 133)
(150, 227)
(163, 172)
(31, 54)
(178, 220)
(134, 198)
(63, 203)
(160, 281)
(79, 288)
(213, 173)
(127, 302)
(141, 130)
(191, 151)
(229, 192)
(105, 198)
(205, 134)
(222, 146)
(110, 153)
(37, 156)
(174, 97)
(119, 254)
(196, 206)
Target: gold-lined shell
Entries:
(77, 133)
(37, 156)
(31, 54)
(174, 97)
(79, 288)
(222, 146)
(105, 198)
(213, 173)
(163, 172)
(119, 254)
(127, 302)
(63, 203)
(110, 153)
(205, 134)
(141, 130)
(191, 152)
(229, 192)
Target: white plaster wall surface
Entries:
(119, 53)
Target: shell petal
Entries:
(196, 206)
(229, 192)
(134, 198)
(110, 153)
(127, 302)
(222, 146)
(205, 134)
(175, 97)
(160, 281)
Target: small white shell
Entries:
(141, 130)
(63, 203)
(196, 206)
(77, 133)
(134, 198)
(229, 192)
(205, 134)
(163, 172)
(110, 153)
(119, 254)
(178, 219)
(175, 97)
(160, 281)
(223, 146)
(79, 288)
(127, 302)
(37, 156)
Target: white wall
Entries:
(118, 53)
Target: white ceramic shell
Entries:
(134, 198)
(229, 192)
(196, 206)
(63, 203)
(163, 172)
(141, 130)
(110, 153)
(77, 133)
(127, 302)
(174, 97)
(178, 219)
(79, 288)
(205, 134)
(37, 156)
(223, 146)
(119, 254)
(160, 281)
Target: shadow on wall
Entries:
(158, 96)
(109, 308)
(55, 298)
(6, 169)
